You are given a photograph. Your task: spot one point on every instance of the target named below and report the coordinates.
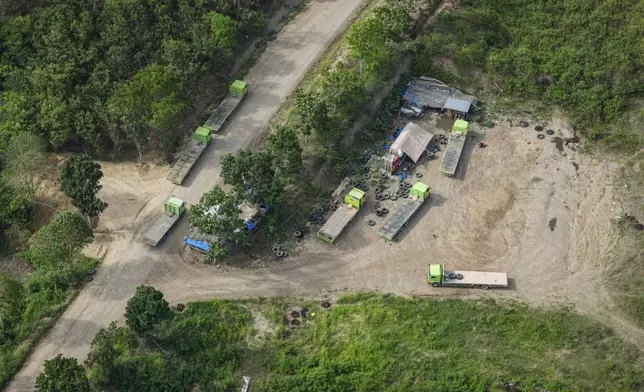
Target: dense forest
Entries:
(97, 75)
(584, 56)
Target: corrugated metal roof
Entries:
(413, 141)
(457, 104)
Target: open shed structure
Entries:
(426, 92)
(412, 142)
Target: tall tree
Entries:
(12, 305)
(79, 179)
(62, 375)
(286, 152)
(146, 309)
(60, 241)
(252, 175)
(313, 112)
(217, 214)
(25, 161)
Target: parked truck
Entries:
(203, 135)
(437, 276)
(404, 211)
(174, 208)
(189, 155)
(455, 145)
(341, 217)
(236, 93)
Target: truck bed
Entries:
(399, 218)
(452, 154)
(159, 229)
(189, 155)
(336, 223)
(476, 278)
(218, 118)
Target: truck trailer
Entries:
(438, 276)
(342, 216)
(174, 208)
(404, 211)
(236, 93)
(455, 145)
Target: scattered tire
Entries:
(377, 196)
(541, 136)
(430, 154)
(371, 222)
(419, 175)
(304, 312)
(377, 190)
(279, 253)
(524, 124)
(638, 226)
(378, 212)
(326, 304)
(92, 271)
(353, 172)
(459, 276)
(276, 248)
(89, 278)
(365, 188)
(405, 195)
(180, 307)
(550, 132)
(297, 234)
(295, 322)
(451, 275)
(354, 183)
(384, 211)
(333, 207)
(407, 185)
(385, 196)
(320, 210)
(412, 165)
(295, 314)
(393, 198)
(538, 128)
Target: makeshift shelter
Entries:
(457, 107)
(412, 142)
(426, 92)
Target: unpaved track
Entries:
(135, 201)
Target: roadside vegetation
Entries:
(583, 57)
(365, 342)
(103, 75)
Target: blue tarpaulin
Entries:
(196, 244)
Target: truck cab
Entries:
(238, 87)
(174, 206)
(435, 275)
(202, 135)
(355, 198)
(420, 190)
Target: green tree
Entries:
(25, 161)
(217, 214)
(148, 103)
(60, 241)
(146, 309)
(102, 361)
(253, 176)
(286, 152)
(223, 30)
(79, 179)
(217, 253)
(12, 304)
(62, 375)
(313, 112)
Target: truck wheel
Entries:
(435, 284)
(459, 276)
(485, 287)
(451, 275)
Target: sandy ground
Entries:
(135, 194)
(543, 214)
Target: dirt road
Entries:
(136, 197)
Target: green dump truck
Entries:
(341, 217)
(404, 211)
(174, 208)
(437, 276)
(455, 145)
(236, 93)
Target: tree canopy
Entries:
(218, 215)
(11, 305)
(70, 70)
(146, 309)
(62, 375)
(79, 177)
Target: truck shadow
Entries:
(435, 200)
(471, 144)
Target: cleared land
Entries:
(136, 196)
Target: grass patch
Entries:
(44, 304)
(370, 342)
